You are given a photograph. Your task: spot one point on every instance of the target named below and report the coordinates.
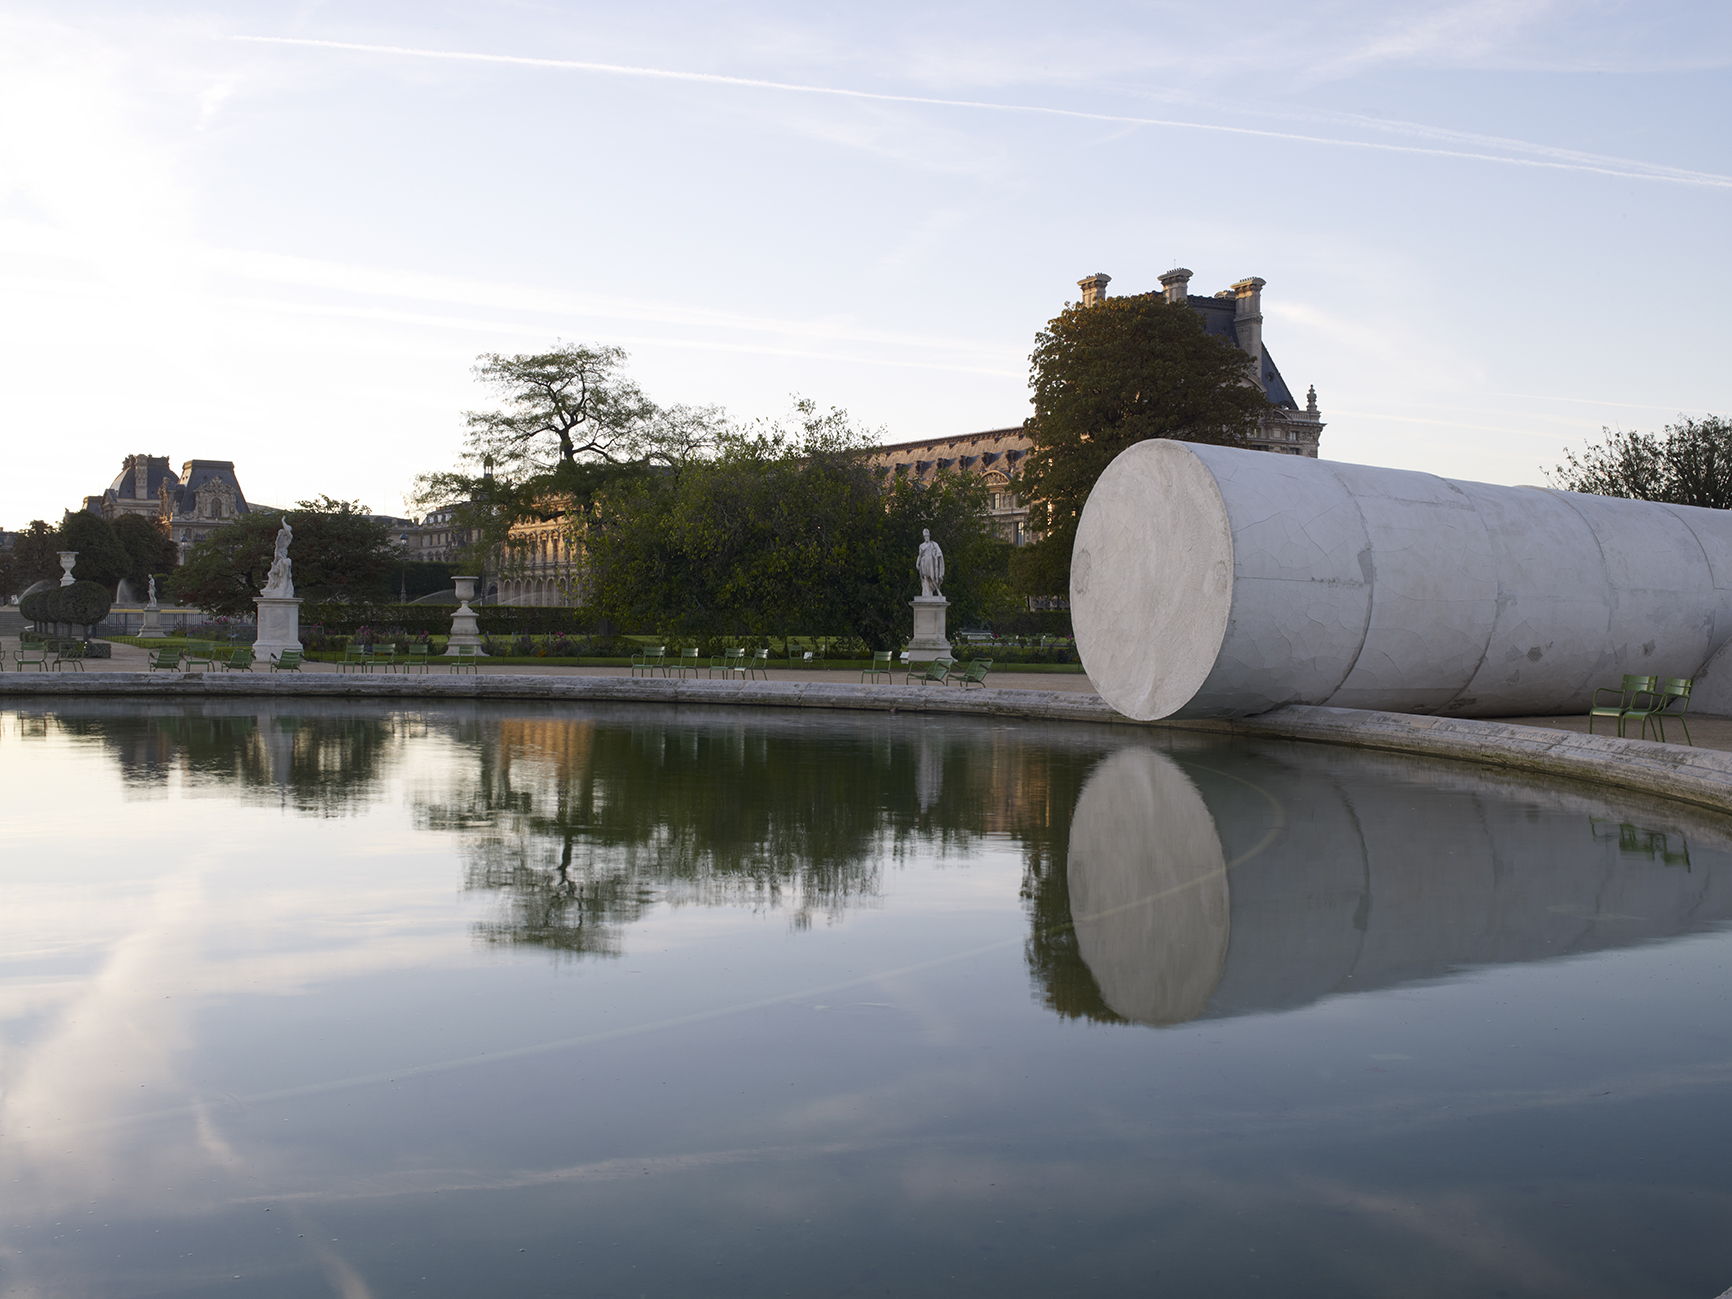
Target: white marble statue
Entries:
(152, 600)
(930, 565)
(280, 582)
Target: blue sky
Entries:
(280, 233)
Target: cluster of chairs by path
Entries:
(1649, 700)
(207, 656)
(745, 665)
(46, 655)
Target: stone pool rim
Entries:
(1679, 773)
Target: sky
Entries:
(281, 234)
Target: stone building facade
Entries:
(1234, 314)
(190, 505)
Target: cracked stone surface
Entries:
(1358, 587)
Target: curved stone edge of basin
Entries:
(1702, 777)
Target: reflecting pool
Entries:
(658, 1002)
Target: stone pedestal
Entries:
(152, 627)
(465, 629)
(279, 625)
(929, 642)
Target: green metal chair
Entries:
(31, 655)
(880, 667)
(199, 652)
(650, 660)
(932, 674)
(164, 660)
(1626, 696)
(239, 659)
(287, 661)
(730, 663)
(688, 662)
(1676, 691)
(415, 661)
(975, 675)
(760, 663)
(466, 660)
(68, 653)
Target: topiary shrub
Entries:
(83, 604)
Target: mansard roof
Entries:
(201, 473)
(157, 473)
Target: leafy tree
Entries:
(1690, 463)
(569, 424)
(786, 532)
(149, 550)
(1104, 377)
(101, 557)
(31, 559)
(338, 553)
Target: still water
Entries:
(563, 1001)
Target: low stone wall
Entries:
(1699, 776)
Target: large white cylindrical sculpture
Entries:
(1214, 582)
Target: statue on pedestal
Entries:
(279, 626)
(152, 601)
(929, 640)
(280, 582)
(929, 563)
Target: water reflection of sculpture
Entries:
(1389, 871)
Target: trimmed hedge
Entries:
(83, 604)
(342, 618)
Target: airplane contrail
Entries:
(1648, 171)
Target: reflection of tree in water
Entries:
(329, 766)
(582, 825)
(1061, 980)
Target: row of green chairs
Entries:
(730, 663)
(937, 672)
(44, 658)
(942, 670)
(1646, 699)
(236, 658)
(357, 658)
(739, 663)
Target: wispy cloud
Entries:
(1623, 169)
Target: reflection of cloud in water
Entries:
(1386, 871)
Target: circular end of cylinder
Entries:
(1152, 579)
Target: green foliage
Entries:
(101, 557)
(83, 604)
(786, 533)
(345, 617)
(1105, 377)
(31, 559)
(569, 425)
(338, 553)
(149, 550)
(1689, 464)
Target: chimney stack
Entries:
(1177, 283)
(1094, 289)
(1248, 322)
